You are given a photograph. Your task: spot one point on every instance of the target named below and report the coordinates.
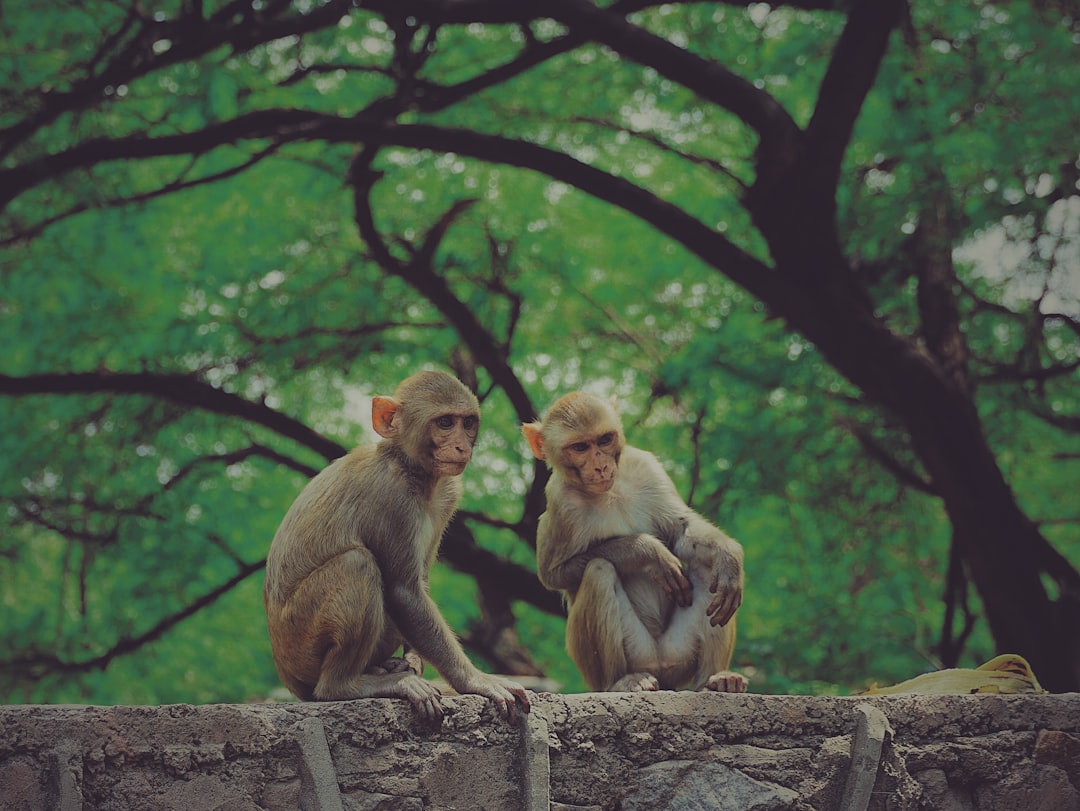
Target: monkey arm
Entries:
(706, 549)
(726, 583)
(642, 553)
(423, 627)
(639, 553)
(421, 624)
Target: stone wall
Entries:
(593, 751)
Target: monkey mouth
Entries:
(600, 485)
(451, 467)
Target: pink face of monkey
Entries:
(593, 460)
(433, 418)
(452, 439)
(582, 438)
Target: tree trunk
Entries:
(923, 380)
(1004, 552)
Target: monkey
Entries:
(347, 571)
(651, 587)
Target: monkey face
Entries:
(581, 439)
(594, 461)
(452, 439)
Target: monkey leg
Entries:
(604, 635)
(710, 654)
(361, 637)
(332, 628)
(717, 646)
(694, 652)
(357, 635)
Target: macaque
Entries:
(347, 573)
(651, 587)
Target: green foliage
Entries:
(120, 511)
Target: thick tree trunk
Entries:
(923, 381)
(1007, 557)
(1005, 554)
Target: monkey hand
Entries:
(726, 586)
(667, 571)
(507, 695)
(423, 695)
(672, 530)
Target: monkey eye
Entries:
(470, 423)
(445, 421)
(606, 439)
(580, 447)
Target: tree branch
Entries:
(35, 665)
(235, 457)
(117, 202)
(460, 550)
(940, 321)
(851, 73)
(951, 644)
(178, 388)
(419, 272)
(298, 125)
(903, 474)
(779, 136)
(188, 36)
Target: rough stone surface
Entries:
(574, 753)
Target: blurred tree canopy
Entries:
(826, 254)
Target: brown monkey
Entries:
(347, 573)
(651, 586)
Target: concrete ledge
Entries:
(590, 751)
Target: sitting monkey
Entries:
(652, 587)
(347, 573)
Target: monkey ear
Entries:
(384, 411)
(531, 430)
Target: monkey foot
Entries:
(636, 683)
(398, 664)
(726, 681)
